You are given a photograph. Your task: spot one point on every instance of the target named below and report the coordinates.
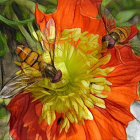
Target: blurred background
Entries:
(17, 26)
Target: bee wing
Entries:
(16, 85)
(107, 17)
(50, 37)
(49, 31)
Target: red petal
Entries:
(24, 122)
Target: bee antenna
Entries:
(120, 55)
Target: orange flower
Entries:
(109, 115)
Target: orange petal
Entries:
(92, 6)
(76, 132)
(108, 126)
(124, 78)
(73, 14)
(124, 74)
(109, 123)
(24, 122)
(120, 113)
(40, 18)
(123, 95)
(91, 130)
(126, 55)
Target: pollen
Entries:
(79, 57)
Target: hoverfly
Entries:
(115, 35)
(34, 60)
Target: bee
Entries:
(115, 35)
(34, 60)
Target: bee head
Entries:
(50, 71)
(108, 41)
(57, 77)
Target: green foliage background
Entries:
(17, 26)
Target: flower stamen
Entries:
(79, 57)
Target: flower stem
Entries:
(33, 33)
(25, 34)
(15, 23)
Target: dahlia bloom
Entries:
(92, 101)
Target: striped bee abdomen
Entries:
(28, 56)
(123, 33)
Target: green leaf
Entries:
(124, 16)
(52, 1)
(3, 1)
(135, 45)
(127, 4)
(28, 4)
(106, 2)
(15, 23)
(113, 8)
(3, 45)
(25, 33)
(118, 24)
(19, 37)
(138, 26)
(2, 112)
(50, 9)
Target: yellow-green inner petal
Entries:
(79, 57)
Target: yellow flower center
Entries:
(79, 57)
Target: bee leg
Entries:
(128, 46)
(120, 55)
(22, 67)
